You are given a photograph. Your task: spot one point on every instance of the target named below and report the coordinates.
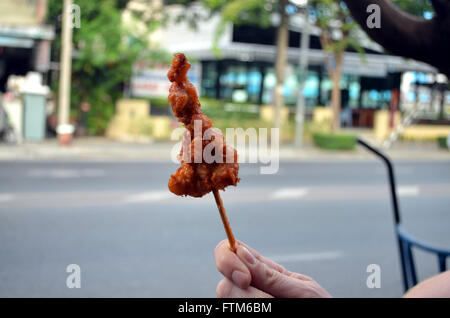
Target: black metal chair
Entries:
(405, 240)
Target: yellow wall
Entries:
(22, 12)
(133, 122)
(267, 113)
(132, 108)
(381, 123)
(322, 115)
(411, 132)
(161, 127)
(425, 132)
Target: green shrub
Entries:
(214, 108)
(207, 102)
(442, 142)
(287, 130)
(334, 141)
(159, 102)
(311, 127)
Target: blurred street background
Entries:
(85, 143)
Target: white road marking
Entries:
(6, 197)
(150, 196)
(66, 173)
(288, 193)
(93, 173)
(306, 257)
(408, 191)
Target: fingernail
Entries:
(240, 279)
(248, 257)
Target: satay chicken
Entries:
(196, 176)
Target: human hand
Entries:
(250, 275)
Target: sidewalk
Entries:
(98, 148)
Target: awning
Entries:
(376, 65)
(34, 32)
(16, 42)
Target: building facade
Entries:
(245, 70)
(25, 40)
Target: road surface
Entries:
(132, 238)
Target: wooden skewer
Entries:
(225, 222)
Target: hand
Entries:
(248, 274)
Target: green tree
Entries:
(104, 52)
(332, 17)
(415, 7)
(258, 12)
(253, 12)
(338, 32)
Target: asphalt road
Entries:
(132, 238)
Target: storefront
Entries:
(245, 72)
(253, 82)
(25, 40)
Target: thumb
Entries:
(269, 279)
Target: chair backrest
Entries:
(407, 242)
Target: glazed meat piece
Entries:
(197, 175)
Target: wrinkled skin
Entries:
(197, 177)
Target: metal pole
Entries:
(391, 176)
(66, 68)
(303, 68)
(395, 207)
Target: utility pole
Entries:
(303, 69)
(64, 129)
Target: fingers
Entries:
(271, 279)
(227, 289)
(229, 264)
(266, 260)
(274, 265)
(247, 267)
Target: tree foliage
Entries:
(338, 32)
(104, 50)
(336, 25)
(415, 7)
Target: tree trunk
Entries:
(280, 65)
(426, 40)
(442, 105)
(336, 93)
(334, 72)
